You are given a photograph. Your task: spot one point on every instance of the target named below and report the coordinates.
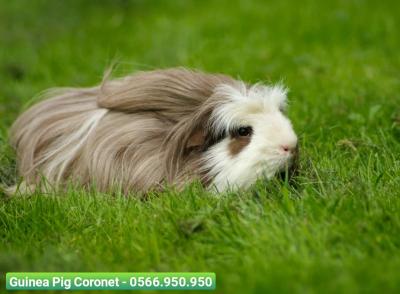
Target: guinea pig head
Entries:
(247, 135)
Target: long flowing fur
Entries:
(136, 132)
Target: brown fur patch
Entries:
(237, 144)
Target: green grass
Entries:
(337, 231)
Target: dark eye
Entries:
(245, 131)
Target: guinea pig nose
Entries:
(289, 148)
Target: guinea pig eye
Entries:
(244, 131)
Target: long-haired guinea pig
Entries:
(154, 128)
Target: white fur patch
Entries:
(243, 101)
(260, 108)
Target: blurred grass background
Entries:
(338, 231)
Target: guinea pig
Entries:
(156, 128)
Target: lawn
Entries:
(337, 230)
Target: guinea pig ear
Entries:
(196, 140)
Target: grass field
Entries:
(337, 231)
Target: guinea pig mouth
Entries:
(286, 174)
(289, 170)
